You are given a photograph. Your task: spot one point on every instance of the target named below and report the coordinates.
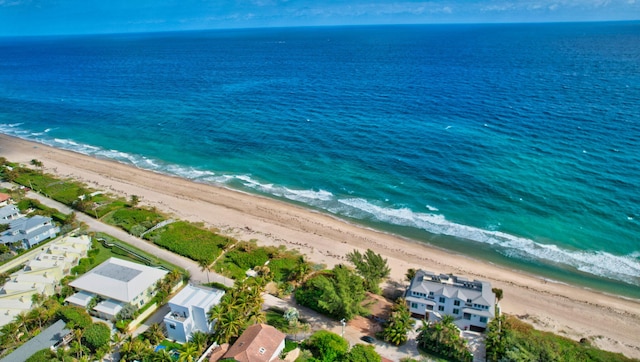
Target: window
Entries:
(441, 300)
(456, 303)
(262, 350)
(466, 316)
(441, 308)
(429, 307)
(456, 311)
(468, 300)
(172, 326)
(431, 294)
(483, 319)
(414, 305)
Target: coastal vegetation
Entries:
(443, 339)
(276, 263)
(327, 346)
(509, 339)
(239, 308)
(190, 240)
(396, 329)
(339, 293)
(372, 267)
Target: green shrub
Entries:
(43, 355)
(75, 317)
(96, 336)
(127, 218)
(191, 241)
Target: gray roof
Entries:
(7, 211)
(47, 338)
(26, 228)
(451, 286)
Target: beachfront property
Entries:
(258, 343)
(8, 213)
(115, 283)
(471, 303)
(28, 232)
(188, 312)
(41, 274)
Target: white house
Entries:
(471, 303)
(189, 312)
(41, 275)
(116, 282)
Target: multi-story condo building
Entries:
(471, 303)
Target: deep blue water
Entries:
(519, 143)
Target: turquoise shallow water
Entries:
(514, 143)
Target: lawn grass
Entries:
(105, 253)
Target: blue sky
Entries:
(45, 17)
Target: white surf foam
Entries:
(619, 267)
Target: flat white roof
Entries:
(110, 307)
(81, 298)
(192, 296)
(119, 279)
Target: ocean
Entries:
(518, 144)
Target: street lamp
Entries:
(343, 324)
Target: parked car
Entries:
(368, 339)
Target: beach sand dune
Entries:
(612, 322)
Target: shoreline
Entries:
(572, 311)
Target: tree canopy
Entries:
(339, 294)
(372, 267)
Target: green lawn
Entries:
(105, 253)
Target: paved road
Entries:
(316, 320)
(197, 275)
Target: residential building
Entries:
(189, 312)
(115, 283)
(471, 303)
(51, 337)
(4, 199)
(8, 213)
(258, 343)
(29, 231)
(41, 275)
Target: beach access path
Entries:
(197, 275)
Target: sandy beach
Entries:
(612, 322)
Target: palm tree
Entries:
(189, 353)
(161, 356)
(38, 164)
(22, 320)
(155, 334)
(204, 265)
(200, 339)
(410, 274)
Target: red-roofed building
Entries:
(258, 343)
(4, 199)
